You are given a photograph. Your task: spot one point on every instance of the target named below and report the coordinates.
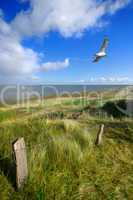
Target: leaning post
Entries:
(20, 157)
(99, 135)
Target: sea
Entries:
(15, 93)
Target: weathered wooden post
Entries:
(112, 118)
(99, 135)
(19, 151)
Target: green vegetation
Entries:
(116, 108)
(64, 163)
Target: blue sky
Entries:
(43, 43)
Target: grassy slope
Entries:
(62, 158)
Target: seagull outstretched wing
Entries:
(104, 45)
(97, 58)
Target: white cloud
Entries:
(69, 17)
(16, 60)
(113, 7)
(55, 65)
(110, 80)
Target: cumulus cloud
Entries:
(69, 17)
(16, 60)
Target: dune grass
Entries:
(65, 164)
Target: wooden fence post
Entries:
(99, 135)
(19, 151)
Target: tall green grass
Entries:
(64, 163)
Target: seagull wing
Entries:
(97, 58)
(104, 45)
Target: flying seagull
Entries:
(102, 52)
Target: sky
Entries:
(44, 41)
